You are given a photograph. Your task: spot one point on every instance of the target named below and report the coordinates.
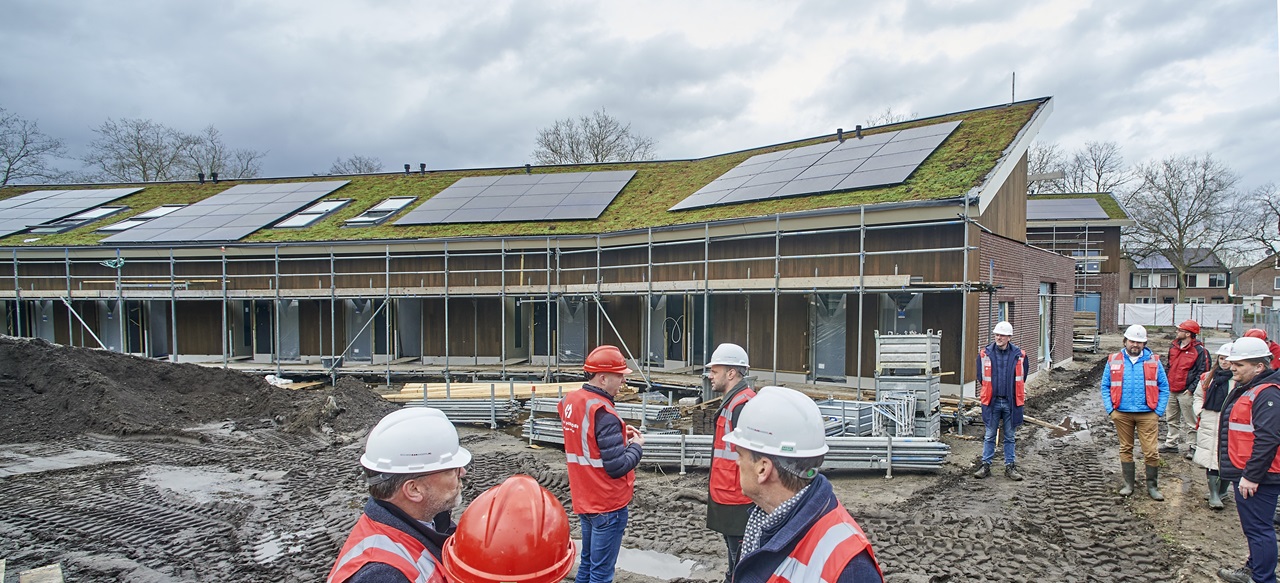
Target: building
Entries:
(1085, 227)
(799, 251)
(1258, 285)
(1154, 279)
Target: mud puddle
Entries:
(652, 563)
(1073, 425)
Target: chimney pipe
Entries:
(214, 177)
(840, 134)
(528, 169)
(422, 167)
(857, 130)
(201, 177)
(406, 169)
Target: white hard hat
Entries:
(1248, 348)
(729, 355)
(1003, 329)
(1225, 350)
(782, 422)
(414, 440)
(1136, 333)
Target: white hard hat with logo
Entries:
(1003, 329)
(1225, 350)
(1136, 333)
(414, 440)
(782, 422)
(1249, 348)
(729, 355)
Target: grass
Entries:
(956, 167)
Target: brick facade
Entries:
(1019, 270)
(1260, 279)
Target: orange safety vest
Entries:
(825, 551)
(590, 487)
(1240, 431)
(371, 541)
(1150, 372)
(725, 487)
(1019, 379)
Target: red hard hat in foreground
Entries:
(1190, 326)
(515, 532)
(1256, 333)
(606, 358)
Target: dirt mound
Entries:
(347, 409)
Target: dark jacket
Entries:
(1215, 395)
(1266, 432)
(1003, 365)
(777, 544)
(619, 457)
(431, 535)
(730, 519)
(1186, 364)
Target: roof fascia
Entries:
(986, 192)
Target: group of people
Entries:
(779, 516)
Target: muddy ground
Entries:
(126, 469)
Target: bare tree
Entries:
(887, 117)
(1045, 158)
(1097, 167)
(1264, 203)
(205, 152)
(1187, 207)
(25, 151)
(356, 164)
(137, 150)
(598, 137)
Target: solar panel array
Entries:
(1064, 209)
(21, 212)
(229, 215)
(873, 160)
(522, 197)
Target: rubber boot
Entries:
(1153, 476)
(1224, 489)
(1215, 495)
(1128, 469)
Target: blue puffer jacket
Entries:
(1133, 393)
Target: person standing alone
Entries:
(1188, 360)
(728, 508)
(1134, 393)
(1003, 367)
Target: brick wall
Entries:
(1019, 270)
(1258, 280)
(1111, 283)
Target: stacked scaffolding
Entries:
(910, 364)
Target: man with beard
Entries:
(1135, 394)
(1188, 359)
(414, 468)
(728, 508)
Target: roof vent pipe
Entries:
(528, 169)
(214, 176)
(840, 134)
(200, 176)
(857, 130)
(422, 167)
(406, 169)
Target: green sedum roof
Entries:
(957, 166)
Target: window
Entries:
(140, 218)
(1087, 266)
(1169, 280)
(1216, 299)
(1195, 300)
(1004, 313)
(1217, 280)
(1191, 280)
(1166, 300)
(77, 220)
(1277, 285)
(308, 216)
(1144, 300)
(380, 213)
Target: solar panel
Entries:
(77, 220)
(229, 215)
(308, 216)
(1064, 209)
(380, 212)
(21, 212)
(874, 160)
(522, 197)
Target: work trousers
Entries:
(1257, 516)
(1180, 418)
(735, 552)
(1147, 426)
(1004, 413)
(601, 542)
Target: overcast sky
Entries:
(468, 84)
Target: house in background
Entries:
(1257, 285)
(1085, 227)
(1154, 279)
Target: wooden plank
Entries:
(413, 391)
(300, 386)
(47, 574)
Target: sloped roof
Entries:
(969, 159)
(1195, 258)
(1105, 200)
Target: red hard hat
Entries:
(515, 532)
(1256, 333)
(1190, 326)
(606, 358)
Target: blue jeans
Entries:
(1004, 417)
(601, 540)
(1257, 516)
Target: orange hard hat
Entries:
(515, 532)
(1190, 326)
(606, 358)
(1256, 333)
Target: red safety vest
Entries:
(1150, 372)
(1019, 379)
(1240, 431)
(590, 487)
(725, 487)
(371, 541)
(825, 551)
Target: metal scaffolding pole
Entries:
(120, 315)
(777, 283)
(964, 316)
(71, 331)
(548, 311)
(648, 308)
(173, 311)
(862, 283)
(333, 317)
(706, 294)
(17, 295)
(226, 343)
(386, 318)
(275, 316)
(447, 378)
(502, 306)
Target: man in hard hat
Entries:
(1249, 455)
(515, 532)
(727, 507)
(798, 531)
(1188, 359)
(602, 454)
(1135, 391)
(1003, 392)
(414, 468)
(1272, 347)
